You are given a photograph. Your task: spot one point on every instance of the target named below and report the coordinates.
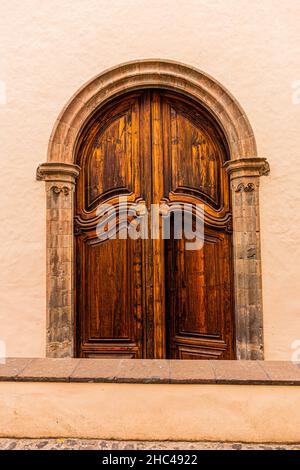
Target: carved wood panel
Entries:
(200, 298)
(195, 160)
(109, 167)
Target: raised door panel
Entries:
(194, 153)
(111, 298)
(195, 160)
(109, 154)
(199, 293)
(109, 168)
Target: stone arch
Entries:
(244, 167)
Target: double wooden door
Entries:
(150, 297)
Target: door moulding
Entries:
(244, 167)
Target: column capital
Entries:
(247, 167)
(57, 171)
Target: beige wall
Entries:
(126, 411)
(50, 48)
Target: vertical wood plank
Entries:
(158, 244)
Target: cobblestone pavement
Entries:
(95, 444)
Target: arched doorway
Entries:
(232, 132)
(150, 297)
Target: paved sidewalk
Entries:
(95, 444)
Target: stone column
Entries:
(60, 183)
(244, 176)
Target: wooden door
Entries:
(150, 297)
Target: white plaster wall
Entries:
(245, 413)
(49, 48)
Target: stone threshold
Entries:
(151, 371)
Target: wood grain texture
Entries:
(153, 298)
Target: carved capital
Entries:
(60, 189)
(248, 188)
(58, 172)
(247, 167)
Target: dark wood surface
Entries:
(153, 298)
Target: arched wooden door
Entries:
(145, 297)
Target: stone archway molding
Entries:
(244, 167)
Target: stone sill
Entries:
(154, 371)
